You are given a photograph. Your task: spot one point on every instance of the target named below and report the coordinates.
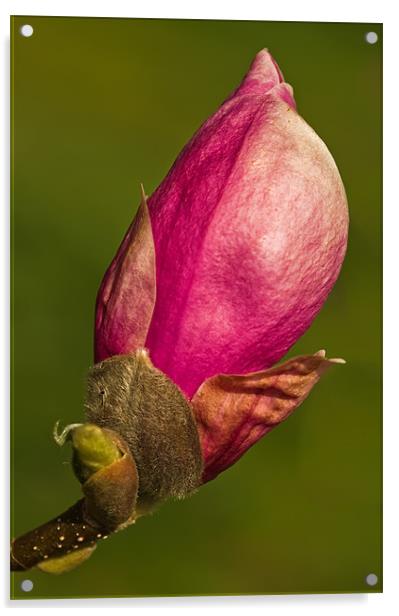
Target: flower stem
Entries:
(68, 532)
(108, 474)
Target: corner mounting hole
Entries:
(371, 38)
(371, 579)
(27, 585)
(26, 30)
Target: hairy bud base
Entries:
(127, 394)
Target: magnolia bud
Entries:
(93, 449)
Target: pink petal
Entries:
(233, 412)
(263, 75)
(126, 298)
(250, 229)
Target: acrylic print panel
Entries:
(100, 106)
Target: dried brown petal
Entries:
(235, 411)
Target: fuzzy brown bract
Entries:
(128, 395)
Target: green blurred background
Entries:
(100, 105)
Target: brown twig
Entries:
(60, 536)
(109, 505)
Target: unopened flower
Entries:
(217, 277)
(248, 233)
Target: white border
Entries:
(289, 10)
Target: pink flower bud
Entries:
(230, 263)
(250, 231)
